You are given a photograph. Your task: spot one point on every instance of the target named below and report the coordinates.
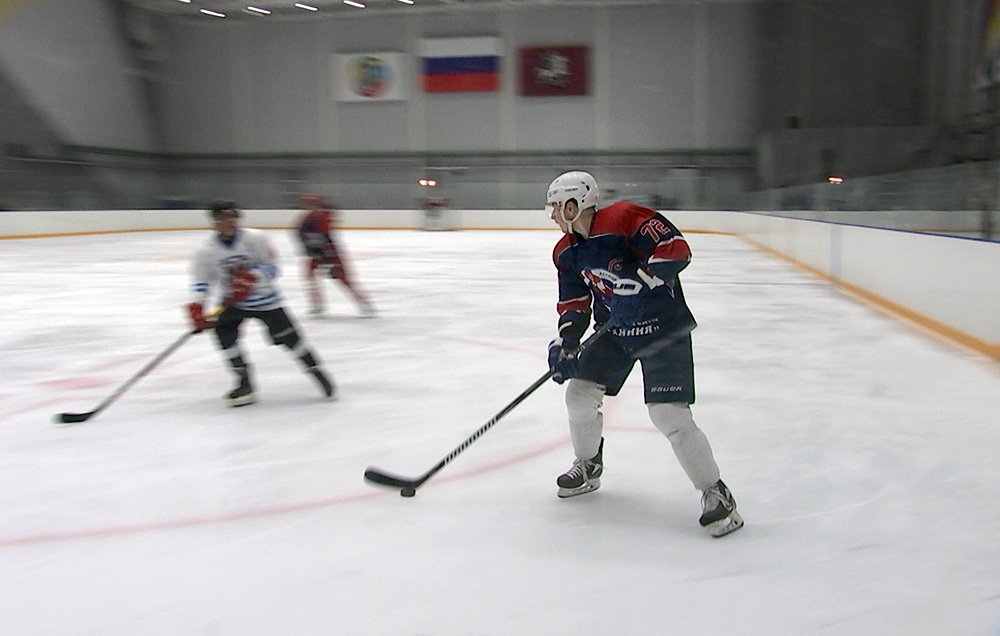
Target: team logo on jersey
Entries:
(604, 283)
(234, 262)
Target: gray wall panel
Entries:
(703, 75)
(653, 80)
(652, 77)
(286, 91)
(70, 62)
(360, 127)
(199, 90)
(733, 79)
(372, 127)
(463, 121)
(547, 123)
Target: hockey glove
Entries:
(240, 286)
(627, 303)
(562, 360)
(198, 319)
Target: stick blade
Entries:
(382, 478)
(72, 418)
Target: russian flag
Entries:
(461, 65)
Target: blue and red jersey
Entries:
(314, 231)
(627, 243)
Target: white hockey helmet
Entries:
(577, 185)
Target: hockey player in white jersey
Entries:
(240, 263)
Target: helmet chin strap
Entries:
(584, 232)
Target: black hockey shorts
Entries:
(279, 326)
(667, 366)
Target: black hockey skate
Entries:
(243, 393)
(329, 388)
(719, 514)
(584, 476)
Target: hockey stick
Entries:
(76, 418)
(409, 485)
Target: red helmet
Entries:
(310, 201)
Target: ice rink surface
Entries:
(862, 452)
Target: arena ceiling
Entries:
(330, 9)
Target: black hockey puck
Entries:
(407, 492)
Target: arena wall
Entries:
(945, 285)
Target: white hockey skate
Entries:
(719, 514)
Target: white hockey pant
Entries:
(693, 451)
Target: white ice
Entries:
(863, 454)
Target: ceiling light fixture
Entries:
(214, 14)
(307, 7)
(352, 3)
(185, 1)
(258, 10)
(406, 1)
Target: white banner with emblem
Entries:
(369, 77)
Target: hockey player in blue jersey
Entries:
(619, 265)
(315, 231)
(240, 264)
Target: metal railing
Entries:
(959, 200)
(672, 179)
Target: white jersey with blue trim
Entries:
(251, 250)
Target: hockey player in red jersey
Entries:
(619, 265)
(240, 264)
(315, 231)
